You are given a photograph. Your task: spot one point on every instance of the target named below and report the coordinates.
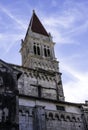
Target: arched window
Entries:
(51, 115)
(36, 49)
(62, 117)
(57, 116)
(68, 118)
(46, 51)
(74, 119)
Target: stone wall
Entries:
(9, 118)
(37, 118)
(30, 82)
(58, 120)
(48, 83)
(44, 64)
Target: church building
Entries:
(31, 95)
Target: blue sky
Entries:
(67, 21)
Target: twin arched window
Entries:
(46, 51)
(36, 49)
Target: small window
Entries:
(45, 53)
(61, 108)
(36, 49)
(48, 52)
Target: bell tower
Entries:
(37, 50)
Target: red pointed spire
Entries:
(36, 26)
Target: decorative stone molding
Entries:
(63, 116)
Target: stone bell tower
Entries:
(37, 50)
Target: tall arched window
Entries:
(36, 49)
(46, 51)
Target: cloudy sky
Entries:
(67, 21)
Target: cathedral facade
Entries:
(31, 95)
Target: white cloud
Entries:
(9, 14)
(62, 21)
(8, 40)
(6, 45)
(57, 26)
(75, 91)
(78, 29)
(69, 23)
(60, 39)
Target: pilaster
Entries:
(39, 118)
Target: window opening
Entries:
(45, 52)
(36, 48)
(48, 52)
(60, 108)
